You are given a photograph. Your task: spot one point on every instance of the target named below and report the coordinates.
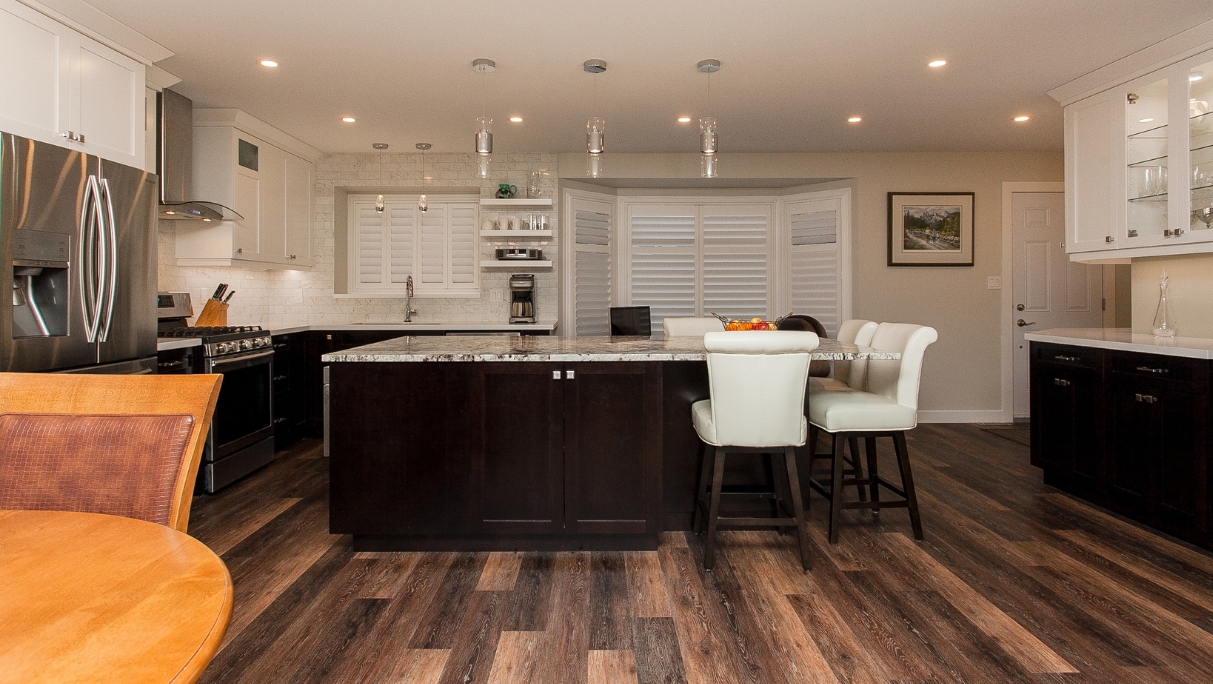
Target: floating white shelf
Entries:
(516, 263)
(515, 234)
(518, 202)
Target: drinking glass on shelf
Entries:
(1148, 181)
(1160, 180)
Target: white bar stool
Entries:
(757, 381)
(847, 375)
(888, 408)
(690, 327)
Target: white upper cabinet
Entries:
(1139, 166)
(238, 165)
(64, 88)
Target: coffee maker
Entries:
(522, 298)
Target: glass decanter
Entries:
(1164, 322)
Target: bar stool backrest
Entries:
(860, 332)
(757, 381)
(899, 379)
(690, 327)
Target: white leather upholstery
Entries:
(826, 385)
(690, 327)
(891, 402)
(757, 381)
(860, 332)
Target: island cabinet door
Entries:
(518, 471)
(1067, 437)
(612, 438)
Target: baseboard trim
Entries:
(995, 416)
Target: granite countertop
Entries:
(167, 343)
(543, 348)
(1123, 339)
(418, 326)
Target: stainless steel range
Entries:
(241, 438)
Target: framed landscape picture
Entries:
(930, 229)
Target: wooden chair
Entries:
(125, 445)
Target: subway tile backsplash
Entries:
(278, 298)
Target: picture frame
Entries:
(931, 229)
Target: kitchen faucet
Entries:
(408, 300)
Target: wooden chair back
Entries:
(125, 445)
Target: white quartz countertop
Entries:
(545, 348)
(167, 343)
(418, 327)
(1123, 339)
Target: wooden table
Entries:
(94, 598)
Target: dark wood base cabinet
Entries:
(496, 456)
(1128, 431)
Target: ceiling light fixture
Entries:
(484, 124)
(348, 119)
(595, 126)
(269, 63)
(516, 119)
(1146, 120)
(935, 64)
(1195, 76)
(422, 205)
(684, 119)
(854, 119)
(709, 137)
(379, 203)
(1021, 118)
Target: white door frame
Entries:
(1008, 269)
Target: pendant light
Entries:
(484, 124)
(708, 138)
(595, 127)
(379, 204)
(421, 203)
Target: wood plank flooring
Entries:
(1015, 582)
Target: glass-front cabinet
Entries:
(1200, 147)
(1146, 175)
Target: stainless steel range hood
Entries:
(175, 164)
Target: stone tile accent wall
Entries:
(278, 298)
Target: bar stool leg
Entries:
(857, 464)
(802, 530)
(869, 444)
(782, 489)
(907, 481)
(836, 488)
(709, 551)
(705, 472)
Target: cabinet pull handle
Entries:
(1147, 369)
(279, 420)
(279, 377)
(1061, 383)
(1146, 398)
(1107, 238)
(1059, 357)
(1132, 233)
(555, 375)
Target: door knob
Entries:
(1019, 307)
(1021, 322)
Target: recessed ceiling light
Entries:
(1195, 76)
(855, 119)
(348, 119)
(1021, 118)
(268, 63)
(684, 119)
(935, 64)
(516, 119)
(1147, 120)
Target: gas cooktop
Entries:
(223, 340)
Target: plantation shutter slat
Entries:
(591, 227)
(592, 275)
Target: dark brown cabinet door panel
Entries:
(519, 468)
(1067, 430)
(612, 419)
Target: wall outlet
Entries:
(299, 296)
(994, 283)
(496, 295)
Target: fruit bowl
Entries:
(756, 323)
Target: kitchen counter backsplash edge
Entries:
(1122, 339)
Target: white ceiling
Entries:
(793, 70)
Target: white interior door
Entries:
(1048, 290)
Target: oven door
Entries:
(244, 413)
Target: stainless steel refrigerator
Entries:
(78, 243)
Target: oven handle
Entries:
(231, 364)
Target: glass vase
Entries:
(1164, 322)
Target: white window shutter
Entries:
(813, 261)
(401, 239)
(368, 241)
(431, 265)
(664, 270)
(591, 266)
(735, 262)
(464, 247)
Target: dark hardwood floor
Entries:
(1015, 582)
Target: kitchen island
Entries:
(531, 443)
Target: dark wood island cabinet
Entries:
(480, 443)
(1127, 430)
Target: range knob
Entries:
(246, 344)
(222, 347)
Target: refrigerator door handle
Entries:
(110, 230)
(90, 284)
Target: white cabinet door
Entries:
(1092, 174)
(248, 202)
(271, 220)
(108, 111)
(299, 211)
(35, 60)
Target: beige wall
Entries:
(963, 370)
(1190, 291)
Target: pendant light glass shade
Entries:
(707, 135)
(594, 168)
(709, 165)
(484, 136)
(482, 166)
(423, 205)
(595, 135)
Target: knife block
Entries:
(214, 314)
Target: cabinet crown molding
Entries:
(256, 127)
(92, 22)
